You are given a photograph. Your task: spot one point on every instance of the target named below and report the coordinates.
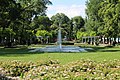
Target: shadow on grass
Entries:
(94, 48)
(110, 51)
(18, 52)
(104, 49)
(14, 52)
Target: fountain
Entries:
(59, 39)
(59, 48)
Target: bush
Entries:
(52, 70)
(68, 43)
(84, 69)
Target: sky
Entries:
(70, 8)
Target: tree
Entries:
(43, 35)
(110, 15)
(30, 10)
(61, 20)
(42, 22)
(103, 17)
(78, 23)
(17, 16)
(93, 21)
(9, 12)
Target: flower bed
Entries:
(52, 70)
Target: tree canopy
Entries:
(103, 17)
(16, 17)
(61, 20)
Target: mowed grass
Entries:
(22, 54)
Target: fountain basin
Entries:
(58, 49)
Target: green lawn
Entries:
(22, 54)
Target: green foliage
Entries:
(41, 22)
(81, 34)
(18, 68)
(17, 15)
(92, 33)
(82, 69)
(93, 21)
(8, 32)
(110, 17)
(103, 17)
(78, 23)
(42, 33)
(61, 20)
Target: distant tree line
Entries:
(26, 22)
(47, 28)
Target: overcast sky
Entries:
(69, 7)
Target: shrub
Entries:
(52, 70)
(68, 43)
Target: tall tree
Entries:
(17, 16)
(110, 15)
(93, 21)
(41, 25)
(78, 23)
(10, 14)
(103, 17)
(62, 20)
(30, 10)
(42, 22)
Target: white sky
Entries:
(70, 8)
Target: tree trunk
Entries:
(118, 40)
(114, 41)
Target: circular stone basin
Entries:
(58, 49)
